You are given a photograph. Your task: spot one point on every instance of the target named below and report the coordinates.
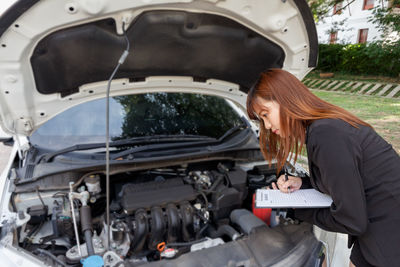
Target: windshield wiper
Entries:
(231, 132)
(158, 147)
(147, 143)
(155, 139)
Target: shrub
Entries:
(330, 57)
(376, 58)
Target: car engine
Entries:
(155, 214)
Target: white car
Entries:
(163, 172)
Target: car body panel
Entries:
(197, 28)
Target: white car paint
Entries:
(23, 109)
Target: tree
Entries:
(321, 8)
(387, 18)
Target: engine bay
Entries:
(155, 215)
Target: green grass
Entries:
(366, 107)
(382, 113)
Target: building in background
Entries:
(348, 23)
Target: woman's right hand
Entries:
(293, 182)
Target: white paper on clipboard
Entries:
(304, 198)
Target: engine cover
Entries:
(155, 193)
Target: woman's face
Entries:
(268, 111)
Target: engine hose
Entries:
(215, 184)
(87, 228)
(205, 199)
(223, 230)
(184, 244)
(45, 252)
(31, 233)
(200, 232)
(89, 242)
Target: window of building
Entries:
(333, 38)
(362, 36)
(337, 9)
(368, 4)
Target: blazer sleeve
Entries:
(337, 155)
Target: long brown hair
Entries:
(298, 108)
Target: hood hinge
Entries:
(24, 124)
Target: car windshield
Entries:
(131, 116)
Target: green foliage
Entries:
(322, 8)
(387, 19)
(355, 59)
(375, 58)
(330, 57)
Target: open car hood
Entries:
(56, 54)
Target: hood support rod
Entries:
(120, 62)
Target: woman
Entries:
(347, 160)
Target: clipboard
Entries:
(303, 198)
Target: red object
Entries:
(333, 38)
(368, 4)
(263, 213)
(362, 36)
(161, 246)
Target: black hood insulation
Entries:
(163, 43)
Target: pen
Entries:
(286, 177)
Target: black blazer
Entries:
(361, 172)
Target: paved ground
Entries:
(4, 155)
